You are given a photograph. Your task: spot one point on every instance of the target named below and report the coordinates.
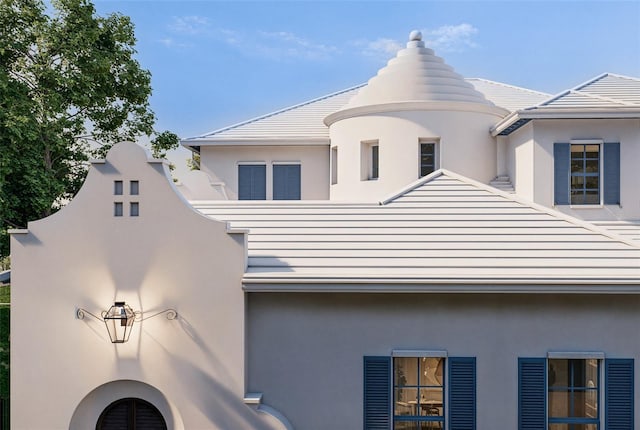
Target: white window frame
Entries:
(366, 160)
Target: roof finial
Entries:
(415, 35)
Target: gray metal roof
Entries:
(304, 123)
(443, 233)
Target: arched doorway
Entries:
(131, 414)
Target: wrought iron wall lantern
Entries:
(120, 317)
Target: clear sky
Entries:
(215, 63)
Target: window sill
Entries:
(586, 206)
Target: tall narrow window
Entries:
(418, 392)
(369, 160)
(573, 394)
(585, 174)
(427, 158)
(252, 182)
(375, 154)
(334, 165)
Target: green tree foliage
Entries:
(70, 87)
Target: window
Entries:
(370, 160)
(407, 392)
(427, 158)
(334, 165)
(286, 182)
(134, 188)
(117, 188)
(252, 182)
(418, 392)
(573, 393)
(565, 393)
(586, 173)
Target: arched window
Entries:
(131, 414)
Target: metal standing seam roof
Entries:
(444, 233)
(608, 95)
(303, 123)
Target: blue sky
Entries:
(215, 63)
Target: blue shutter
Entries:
(286, 182)
(462, 393)
(377, 393)
(611, 166)
(562, 164)
(252, 182)
(532, 393)
(619, 394)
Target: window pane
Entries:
(374, 162)
(558, 373)
(592, 198)
(406, 371)
(564, 426)
(576, 166)
(592, 166)
(405, 401)
(559, 404)
(117, 188)
(431, 371)
(431, 401)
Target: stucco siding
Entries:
(221, 163)
(306, 350)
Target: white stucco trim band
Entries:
(442, 106)
(18, 231)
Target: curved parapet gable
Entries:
(128, 236)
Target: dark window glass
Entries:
(134, 188)
(374, 161)
(131, 414)
(585, 174)
(427, 158)
(117, 188)
(252, 182)
(117, 209)
(134, 209)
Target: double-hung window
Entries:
(407, 391)
(586, 173)
(559, 393)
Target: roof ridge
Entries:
(514, 198)
(286, 109)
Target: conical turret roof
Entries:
(416, 74)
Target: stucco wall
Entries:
(221, 163)
(464, 146)
(306, 350)
(521, 161)
(626, 132)
(63, 368)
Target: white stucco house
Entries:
(423, 251)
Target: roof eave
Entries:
(527, 115)
(254, 141)
(254, 284)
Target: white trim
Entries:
(286, 163)
(251, 163)
(419, 353)
(579, 355)
(586, 141)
